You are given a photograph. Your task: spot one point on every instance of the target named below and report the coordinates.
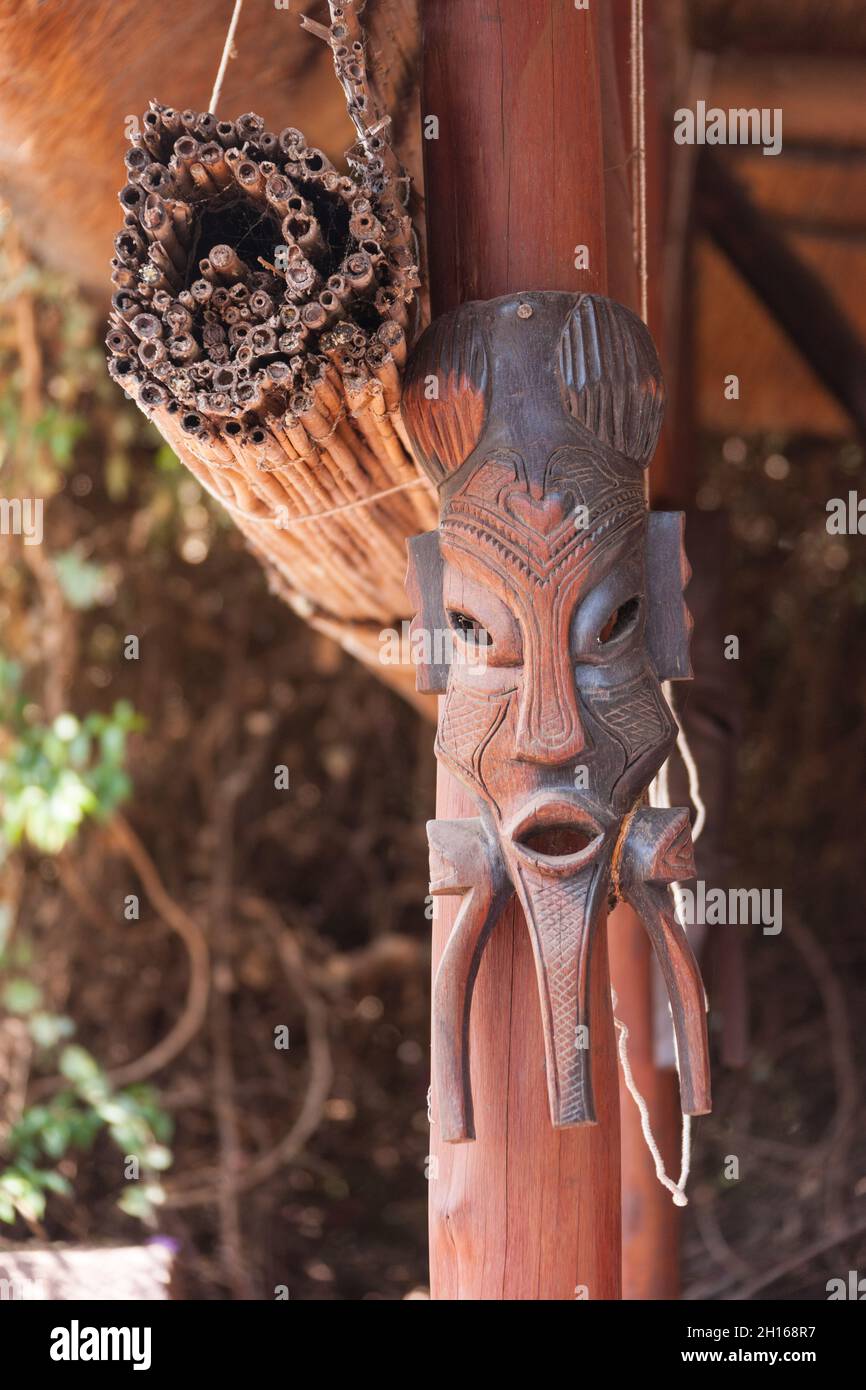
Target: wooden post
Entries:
(514, 190)
(650, 1221)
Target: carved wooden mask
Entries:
(561, 598)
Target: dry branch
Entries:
(193, 938)
(261, 308)
(319, 1080)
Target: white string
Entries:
(638, 142)
(281, 523)
(660, 787)
(224, 60)
(349, 506)
(676, 1189)
(288, 522)
(659, 791)
(685, 753)
(632, 91)
(660, 796)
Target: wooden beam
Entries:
(650, 1221)
(821, 98)
(792, 292)
(514, 184)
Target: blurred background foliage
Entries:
(166, 912)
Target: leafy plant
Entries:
(65, 430)
(83, 583)
(53, 776)
(47, 1135)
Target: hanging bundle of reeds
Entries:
(260, 318)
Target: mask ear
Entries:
(430, 631)
(669, 622)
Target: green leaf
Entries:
(11, 674)
(112, 743)
(135, 1202)
(22, 996)
(26, 1197)
(85, 1125)
(82, 582)
(6, 923)
(32, 1204)
(66, 726)
(14, 1182)
(158, 1157)
(131, 1136)
(79, 750)
(59, 430)
(166, 460)
(56, 1137)
(30, 1123)
(47, 1030)
(117, 474)
(77, 1065)
(53, 1181)
(114, 1112)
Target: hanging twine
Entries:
(350, 506)
(637, 93)
(659, 793)
(659, 789)
(676, 1189)
(660, 796)
(638, 144)
(224, 60)
(287, 523)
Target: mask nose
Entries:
(549, 727)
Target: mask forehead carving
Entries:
(519, 367)
(536, 415)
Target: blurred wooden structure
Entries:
(64, 1274)
(814, 194)
(803, 55)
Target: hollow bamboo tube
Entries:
(236, 432)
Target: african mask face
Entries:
(536, 415)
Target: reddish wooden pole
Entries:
(650, 1221)
(514, 188)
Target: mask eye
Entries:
(469, 628)
(621, 621)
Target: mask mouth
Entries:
(556, 834)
